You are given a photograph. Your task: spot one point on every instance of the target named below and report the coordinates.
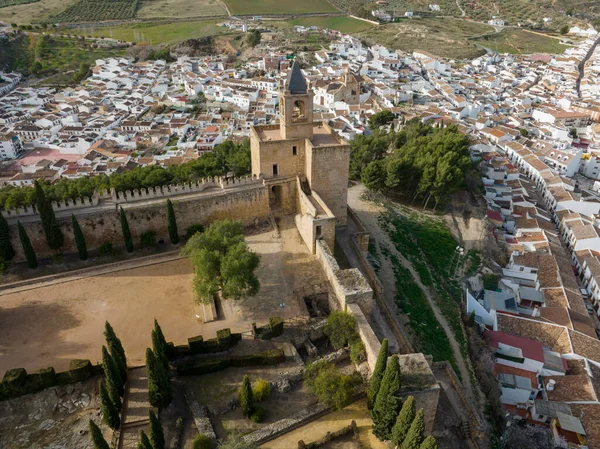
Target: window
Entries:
(294, 150)
(318, 231)
(275, 170)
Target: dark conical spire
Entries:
(296, 83)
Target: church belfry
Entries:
(296, 106)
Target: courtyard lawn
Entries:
(342, 24)
(278, 6)
(155, 33)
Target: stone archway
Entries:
(275, 195)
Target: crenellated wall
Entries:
(245, 199)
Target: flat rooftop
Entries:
(322, 136)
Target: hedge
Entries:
(17, 382)
(205, 366)
(273, 329)
(330, 436)
(196, 345)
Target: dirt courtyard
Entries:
(52, 324)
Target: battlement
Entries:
(58, 206)
(104, 197)
(222, 183)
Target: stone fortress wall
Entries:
(244, 199)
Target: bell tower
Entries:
(296, 106)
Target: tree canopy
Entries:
(419, 161)
(226, 158)
(222, 262)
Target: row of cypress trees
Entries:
(154, 440)
(160, 393)
(114, 363)
(55, 237)
(392, 419)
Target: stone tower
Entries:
(296, 106)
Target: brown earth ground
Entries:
(52, 324)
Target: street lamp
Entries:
(282, 305)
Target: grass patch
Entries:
(155, 33)
(443, 37)
(342, 24)
(180, 9)
(518, 41)
(256, 7)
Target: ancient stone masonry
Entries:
(244, 199)
(65, 205)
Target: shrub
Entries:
(105, 249)
(148, 239)
(246, 398)
(357, 352)
(331, 388)
(276, 325)
(194, 229)
(258, 415)
(205, 366)
(261, 390)
(80, 370)
(341, 328)
(201, 441)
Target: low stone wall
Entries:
(367, 336)
(200, 416)
(349, 286)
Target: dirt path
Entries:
(368, 214)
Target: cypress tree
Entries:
(110, 415)
(414, 437)
(27, 248)
(387, 404)
(157, 437)
(429, 443)
(54, 235)
(405, 419)
(159, 345)
(151, 374)
(6, 250)
(144, 441)
(172, 223)
(98, 440)
(125, 229)
(246, 397)
(377, 373)
(111, 372)
(79, 239)
(116, 349)
(166, 391)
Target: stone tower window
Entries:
(294, 150)
(299, 110)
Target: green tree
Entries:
(387, 404)
(429, 443)
(341, 328)
(222, 262)
(6, 250)
(113, 378)
(524, 132)
(403, 422)
(253, 38)
(377, 373)
(54, 235)
(144, 442)
(573, 133)
(380, 119)
(160, 392)
(564, 29)
(110, 414)
(157, 438)
(414, 437)
(98, 440)
(125, 229)
(27, 248)
(201, 441)
(246, 397)
(159, 345)
(172, 223)
(373, 176)
(331, 388)
(79, 239)
(116, 350)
